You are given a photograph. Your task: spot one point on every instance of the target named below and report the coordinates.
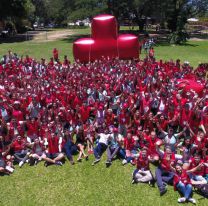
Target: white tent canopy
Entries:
(193, 20)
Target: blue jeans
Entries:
(122, 153)
(186, 190)
(163, 176)
(21, 156)
(99, 150)
(70, 149)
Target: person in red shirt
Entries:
(55, 54)
(152, 147)
(182, 183)
(32, 129)
(17, 113)
(53, 153)
(151, 53)
(197, 169)
(4, 167)
(142, 173)
(21, 151)
(163, 172)
(129, 146)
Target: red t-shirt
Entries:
(53, 145)
(166, 161)
(18, 145)
(142, 163)
(129, 143)
(200, 171)
(183, 177)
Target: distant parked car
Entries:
(35, 25)
(51, 25)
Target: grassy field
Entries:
(193, 51)
(83, 184)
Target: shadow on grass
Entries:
(199, 36)
(72, 38)
(14, 39)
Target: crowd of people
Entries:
(130, 109)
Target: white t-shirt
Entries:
(104, 138)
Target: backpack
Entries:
(202, 190)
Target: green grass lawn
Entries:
(83, 184)
(193, 51)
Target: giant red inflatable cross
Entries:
(106, 42)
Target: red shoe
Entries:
(90, 152)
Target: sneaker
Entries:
(79, 160)
(133, 181)
(10, 169)
(21, 164)
(132, 162)
(192, 200)
(96, 161)
(87, 158)
(27, 161)
(46, 164)
(152, 183)
(32, 161)
(59, 163)
(108, 163)
(163, 191)
(36, 162)
(181, 200)
(124, 162)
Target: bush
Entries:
(178, 37)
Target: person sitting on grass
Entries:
(101, 145)
(53, 152)
(5, 159)
(196, 169)
(69, 148)
(21, 151)
(163, 173)
(142, 173)
(129, 145)
(37, 153)
(81, 144)
(182, 183)
(113, 147)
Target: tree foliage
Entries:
(15, 8)
(82, 9)
(170, 13)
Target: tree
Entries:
(134, 10)
(82, 9)
(14, 8)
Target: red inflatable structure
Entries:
(106, 42)
(189, 84)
